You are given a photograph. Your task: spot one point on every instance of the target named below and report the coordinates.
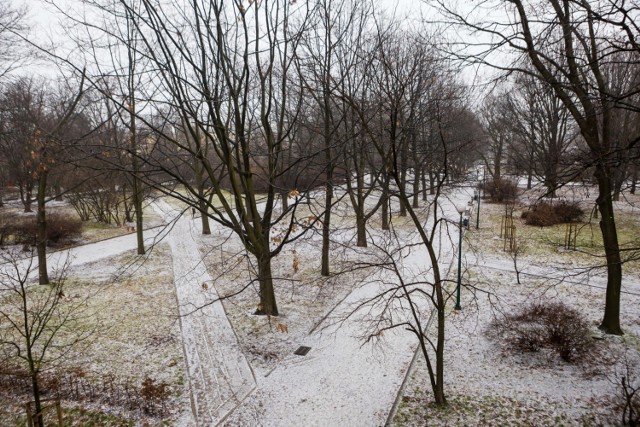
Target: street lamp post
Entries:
(460, 210)
(478, 207)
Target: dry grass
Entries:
(133, 318)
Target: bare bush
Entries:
(502, 190)
(627, 400)
(540, 215)
(80, 386)
(62, 227)
(154, 395)
(568, 212)
(7, 228)
(23, 230)
(554, 326)
(631, 406)
(544, 214)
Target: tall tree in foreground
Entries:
(567, 49)
(408, 87)
(222, 73)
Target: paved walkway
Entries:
(342, 381)
(92, 252)
(339, 383)
(219, 374)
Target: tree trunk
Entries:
(619, 174)
(127, 207)
(416, 188)
(268, 304)
(617, 190)
(33, 368)
(57, 191)
(204, 217)
(39, 418)
(328, 200)
(438, 392)
(361, 226)
(326, 223)
(551, 180)
(28, 200)
(385, 205)
(634, 178)
(137, 184)
(611, 321)
(41, 236)
(403, 175)
(202, 204)
(432, 183)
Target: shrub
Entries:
(25, 229)
(501, 190)
(628, 401)
(568, 211)
(541, 215)
(7, 227)
(62, 227)
(554, 326)
(153, 394)
(544, 214)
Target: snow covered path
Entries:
(219, 374)
(341, 382)
(91, 252)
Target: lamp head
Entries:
(460, 208)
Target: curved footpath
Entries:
(340, 382)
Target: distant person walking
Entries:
(193, 212)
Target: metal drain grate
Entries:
(302, 351)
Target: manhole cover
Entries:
(302, 351)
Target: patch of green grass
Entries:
(478, 410)
(82, 417)
(550, 241)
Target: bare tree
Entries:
(543, 133)
(565, 38)
(222, 72)
(13, 51)
(497, 133)
(38, 324)
(22, 108)
(403, 82)
(12, 55)
(326, 57)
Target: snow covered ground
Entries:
(242, 369)
(488, 385)
(219, 374)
